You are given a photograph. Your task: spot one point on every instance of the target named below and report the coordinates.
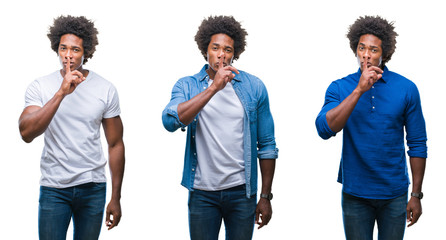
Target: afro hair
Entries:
(378, 27)
(79, 26)
(221, 24)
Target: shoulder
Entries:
(351, 79)
(49, 80)
(399, 80)
(54, 76)
(98, 81)
(193, 79)
(247, 78)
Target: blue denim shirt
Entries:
(373, 163)
(258, 125)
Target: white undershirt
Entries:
(219, 141)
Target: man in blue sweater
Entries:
(373, 106)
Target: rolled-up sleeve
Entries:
(415, 125)
(170, 117)
(332, 100)
(266, 142)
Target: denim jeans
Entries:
(360, 215)
(84, 203)
(208, 208)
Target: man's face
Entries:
(70, 47)
(369, 50)
(221, 48)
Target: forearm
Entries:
(418, 166)
(117, 165)
(338, 116)
(189, 109)
(267, 168)
(35, 120)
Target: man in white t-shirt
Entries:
(230, 126)
(69, 106)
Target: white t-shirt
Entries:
(73, 154)
(219, 141)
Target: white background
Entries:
(296, 47)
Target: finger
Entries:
(257, 217)
(409, 217)
(261, 224)
(233, 69)
(376, 69)
(220, 64)
(107, 218)
(364, 65)
(68, 66)
(78, 74)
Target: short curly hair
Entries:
(377, 26)
(221, 24)
(79, 26)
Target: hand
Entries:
(264, 212)
(414, 210)
(369, 77)
(71, 79)
(223, 75)
(113, 209)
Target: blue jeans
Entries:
(84, 203)
(360, 215)
(207, 209)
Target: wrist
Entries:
(358, 92)
(418, 195)
(268, 196)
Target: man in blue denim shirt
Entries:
(373, 106)
(229, 126)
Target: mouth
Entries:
(368, 64)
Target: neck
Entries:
(211, 72)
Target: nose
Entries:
(220, 54)
(69, 54)
(366, 54)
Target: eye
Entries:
(228, 50)
(374, 51)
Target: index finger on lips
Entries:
(220, 64)
(68, 66)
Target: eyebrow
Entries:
(227, 46)
(372, 46)
(64, 45)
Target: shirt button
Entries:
(193, 169)
(195, 120)
(193, 136)
(204, 87)
(373, 96)
(195, 154)
(373, 86)
(373, 107)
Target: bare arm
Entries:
(264, 209)
(188, 110)
(338, 116)
(113, 130)
(414, 209)
(34, 120)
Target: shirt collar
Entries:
(202, 75)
